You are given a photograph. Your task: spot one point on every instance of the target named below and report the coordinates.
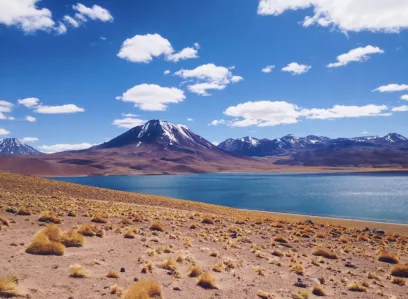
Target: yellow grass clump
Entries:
(113, 274)
(319, 251)
(388, 257)
(356, 287)
(318, 290)
(219, 267)
(281, 239)
(4, 221)
(194, 271)
(263, 295)
(168, 264)
(399, 271)
(207, 281)
(72, 239)
(23, 211)
(9, 287)
(88, 230)
(77, 271)
(49, 216)
(98, 218)
(47, 242)
(398, 280)
(301, 294)
(144, 289)
(207, 220)
(157, 226)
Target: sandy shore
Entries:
(248, 254)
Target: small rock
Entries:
(350, 265)
(122, 270)
(135, 279)
(176, 289)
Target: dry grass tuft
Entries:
(319, 251)
(49, 216)
(144, 289)
(9, 287)
(301, 294)
(98, 218)
(157, 226)
(113, 274)
(77, 271)
(88, 230)
(72, 239)
(23, 211)
(47, 242)
(219, 267)
(298, 269)
(318, 290)
(4, 221)
(168, 264)
(398, 280)
(281, 239)
(207, 281)
(356, 287)
(207, 220)
(263, 295)
(388, 257)
(194, 271)
(399, 271)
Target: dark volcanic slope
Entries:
(12, 146)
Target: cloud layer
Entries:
(49, 149)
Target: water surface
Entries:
(377, 197)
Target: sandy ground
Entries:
(243, 241)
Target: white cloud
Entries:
(404, 97)
(26, 15)
(392, 88)
(30, 119)
(208, 76)
(402, 108)
(5, 106)
(63, 109)
(272, 113)
(128, 122)
(167, 72)
(347, 15)
(152, 97)
(61, 29)
(143, 48)
(2, 116)
(296, 69)
(29, 102)
(49, 149)
(129, 115)
(29, 139)
(190, 119)
(10, 117)
(71, 21)
(4, 132)
(217, 122)
(357, 54)
(268, 69)
(95, 12)
(186, 53)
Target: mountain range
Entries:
(159, 147)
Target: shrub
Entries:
(356, 287)
(194, 271)
(219, 267)
(77, 271)
(48, 216)
(129, 233)
(88, 230)
(207, 220)
(168, 264)
(298, 269)
(113, 274)
(319, 251)
(23, 211)
(398, 280)
(281, 239)
(399, 271)
(47, 242)
(388, 257)
(144, 289)
(4, 221)
(207, 281)
(301, 294)
(157, 226)
(72, 239)
(9, 287)
(263, 295)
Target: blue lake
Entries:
(377, 197)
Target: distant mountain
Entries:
(159, 133)
(12, 146)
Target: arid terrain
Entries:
(61, 240)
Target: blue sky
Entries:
(102, 67)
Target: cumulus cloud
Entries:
(347, 15)
(29, 139)
(29, 102)
(273, 113)
(49, 149)
(63, 109)
(30, 119)
(404, 97)
(71, 21)
(128, 122)
(152, 97)
(268, 69)
(217, 122)
(5, 106)
(392, 88)
(167, 72)
(296, 69)
(208, 76)
(190, 119)
(358, 54)
(95, 12)
(143, 48)
(4, 132)
(402, 108)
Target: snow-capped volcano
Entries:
(161, 133)
(12, 146)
